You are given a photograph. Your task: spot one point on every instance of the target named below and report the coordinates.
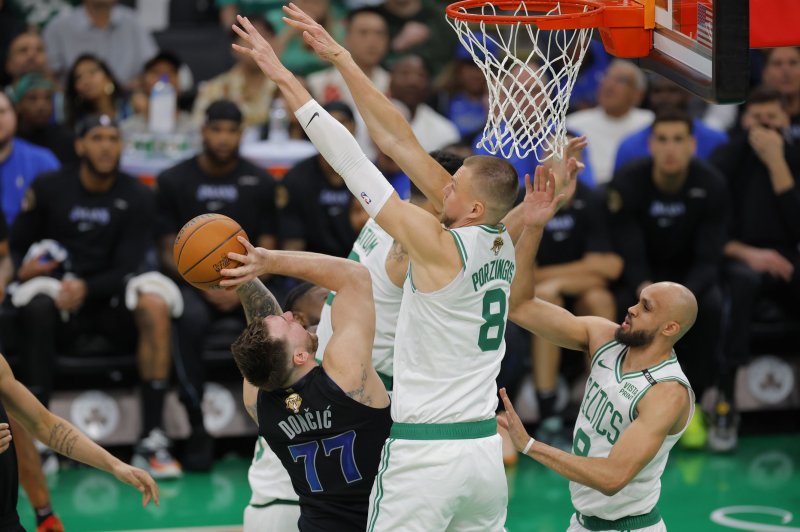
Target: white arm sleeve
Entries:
(344, 155)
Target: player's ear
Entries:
(671, 328)
(478, 210)
(79, 147)
(300, 357)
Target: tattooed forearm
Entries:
(398, 252)
(257, 300)
(62, 439)
(359, 393)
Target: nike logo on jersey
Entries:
(312, 118)
(600, 363)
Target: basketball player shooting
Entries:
(326, 423)
(450, 332)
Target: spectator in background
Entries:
(33, 100)
(367, 39)
(26, 54)
(663, 93)
(410, 85)
(102, 221)
(293, 51)
(668, 215)
(576, 263)
(782, 72)
(101, 27)
(20, 161)
(244, 84)
(315, 201)
(418, 27)
(10, 27)
(162, 65)
(462, 94)
(761, 166)
(216, 180)
(92, 89)
(615, 117)
(590, 75)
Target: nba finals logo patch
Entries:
(498, 243)
(293, 403)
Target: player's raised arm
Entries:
(554, 323)
(387, 127)
(420, 232)
(61, 436)
(664, 410)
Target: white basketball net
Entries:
(530, 74)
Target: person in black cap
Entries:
(315, 201)
(217, 180)
(102, 223)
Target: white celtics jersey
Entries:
(608, 408)
(450, 342)
(268, 478)
(371, 249)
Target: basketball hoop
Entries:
(530, 52)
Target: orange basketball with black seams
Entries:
(202, 246)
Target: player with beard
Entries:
(637, 401)
(103, 220)
(326, 422)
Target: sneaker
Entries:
(199, 452)
(51, 524)
(551, 431)
(696, 434)
(152, 454)
(50, 462)
(724, 427)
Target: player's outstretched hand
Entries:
(253, 264)
(259, 49)
(313, 33)
(139, 479)
(5, 437)
(540, 203)
(510, 421)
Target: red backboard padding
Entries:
(774, 23)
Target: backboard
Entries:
(703, 45)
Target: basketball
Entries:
(201, 249)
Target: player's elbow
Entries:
(358, 275)
(612, 486)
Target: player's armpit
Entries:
(430, 247)
(664, 410)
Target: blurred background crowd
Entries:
(120, 121)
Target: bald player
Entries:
(637, 401)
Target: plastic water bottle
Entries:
(278, 122)
(163, 104)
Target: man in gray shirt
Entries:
(112, 32)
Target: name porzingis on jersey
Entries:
(368, 240)
(600, 411)
(296, 424)
(501, 269)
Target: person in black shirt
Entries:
(668, 223)
(217, 180)
(316, 202)
(761, 167)
(576, 262)
(339, 407)
(59, 434)
(102, 221)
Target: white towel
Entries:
(23, 293)
(154, 283)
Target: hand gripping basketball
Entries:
(253, 264)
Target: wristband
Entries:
(528, 447)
